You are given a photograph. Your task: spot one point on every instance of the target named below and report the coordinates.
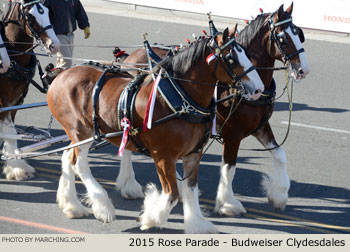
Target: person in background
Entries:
(64, 17)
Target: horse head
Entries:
(37, 24)
(286, 42)
(235, 64)
(5, 60)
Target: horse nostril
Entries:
(300, 71)
(257, 91)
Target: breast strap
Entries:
(179, 101)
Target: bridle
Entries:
(28, 18)
(281, 39)
(228, 61)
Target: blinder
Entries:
(281, 38)
(301, 35)
(29, 18)
(298, 31)
(230, 59)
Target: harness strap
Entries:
(290, 56)
(95, 96)
(30, 3)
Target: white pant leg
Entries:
(66, 50)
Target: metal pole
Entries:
(24, 106)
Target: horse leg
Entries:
(126, 182)
(67, 198)
(193, 218)
(275, 185)
(97, 197)
(226, 203)
(14, 169)
(157, 206)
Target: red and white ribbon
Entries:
(213, 129)
(125, 124)
(210, 57)
(147, 121)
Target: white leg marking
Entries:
(67, 198)
(195, 223)
(14, 169)
(126, 182)
(156, 209)
(226, 204)
(276, 185)
(101, 205)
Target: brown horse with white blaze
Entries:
(270, 37)
(25, 22)
(70, 101)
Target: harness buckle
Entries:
(186, 107)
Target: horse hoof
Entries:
(18, 174)
(279, 207)
(139, 218)
(235, 208)
(144, 227)
(75, 214)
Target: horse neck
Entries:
(19, 40)
(201, 84)
(258, 49)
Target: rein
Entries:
(232, 110)
(290, 100)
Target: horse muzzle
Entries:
(53, 48)
(251, 94)
(299, 73)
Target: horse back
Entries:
(70, 95)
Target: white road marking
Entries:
(317, 127)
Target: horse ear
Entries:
(225, 35)
(289, 10)
(280, 12)
(233, 31)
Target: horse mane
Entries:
(182, 61)
(252, 30)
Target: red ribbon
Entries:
(120, 53)
(125, 124)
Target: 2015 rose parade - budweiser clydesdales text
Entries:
(237, 242)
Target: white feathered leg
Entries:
(67, 198)
(194, 221)
(14, 169)
(226, 203)
(156, 209)
(101, 205)
(126, 182)
(276, 185)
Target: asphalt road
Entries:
(317, 148)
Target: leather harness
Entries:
(182, 106)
